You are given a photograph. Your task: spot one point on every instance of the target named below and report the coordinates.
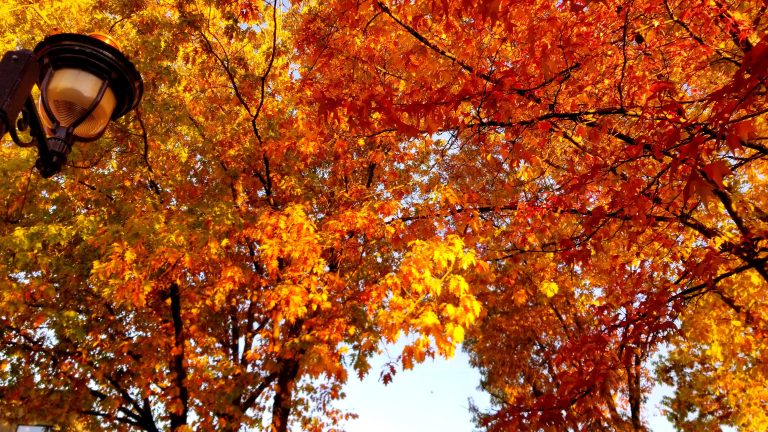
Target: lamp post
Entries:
(84, 82)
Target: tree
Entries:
(606, 159)
(223, 255)
(570, 184)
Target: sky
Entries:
(434, 397)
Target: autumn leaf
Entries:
(549, 288)
(716, 171)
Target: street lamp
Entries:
(84, 82)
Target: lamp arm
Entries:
(29, 120)
(19, 71)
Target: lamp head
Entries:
(85, 81)
(73, 68)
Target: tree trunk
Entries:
(281, 408)
(179, 414)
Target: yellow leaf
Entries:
(458, 334)
(549, 288)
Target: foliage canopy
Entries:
(562, 186)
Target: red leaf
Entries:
(660, 86)
(745, 130)
(733, 141)
(716, 171)
(696, 185)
